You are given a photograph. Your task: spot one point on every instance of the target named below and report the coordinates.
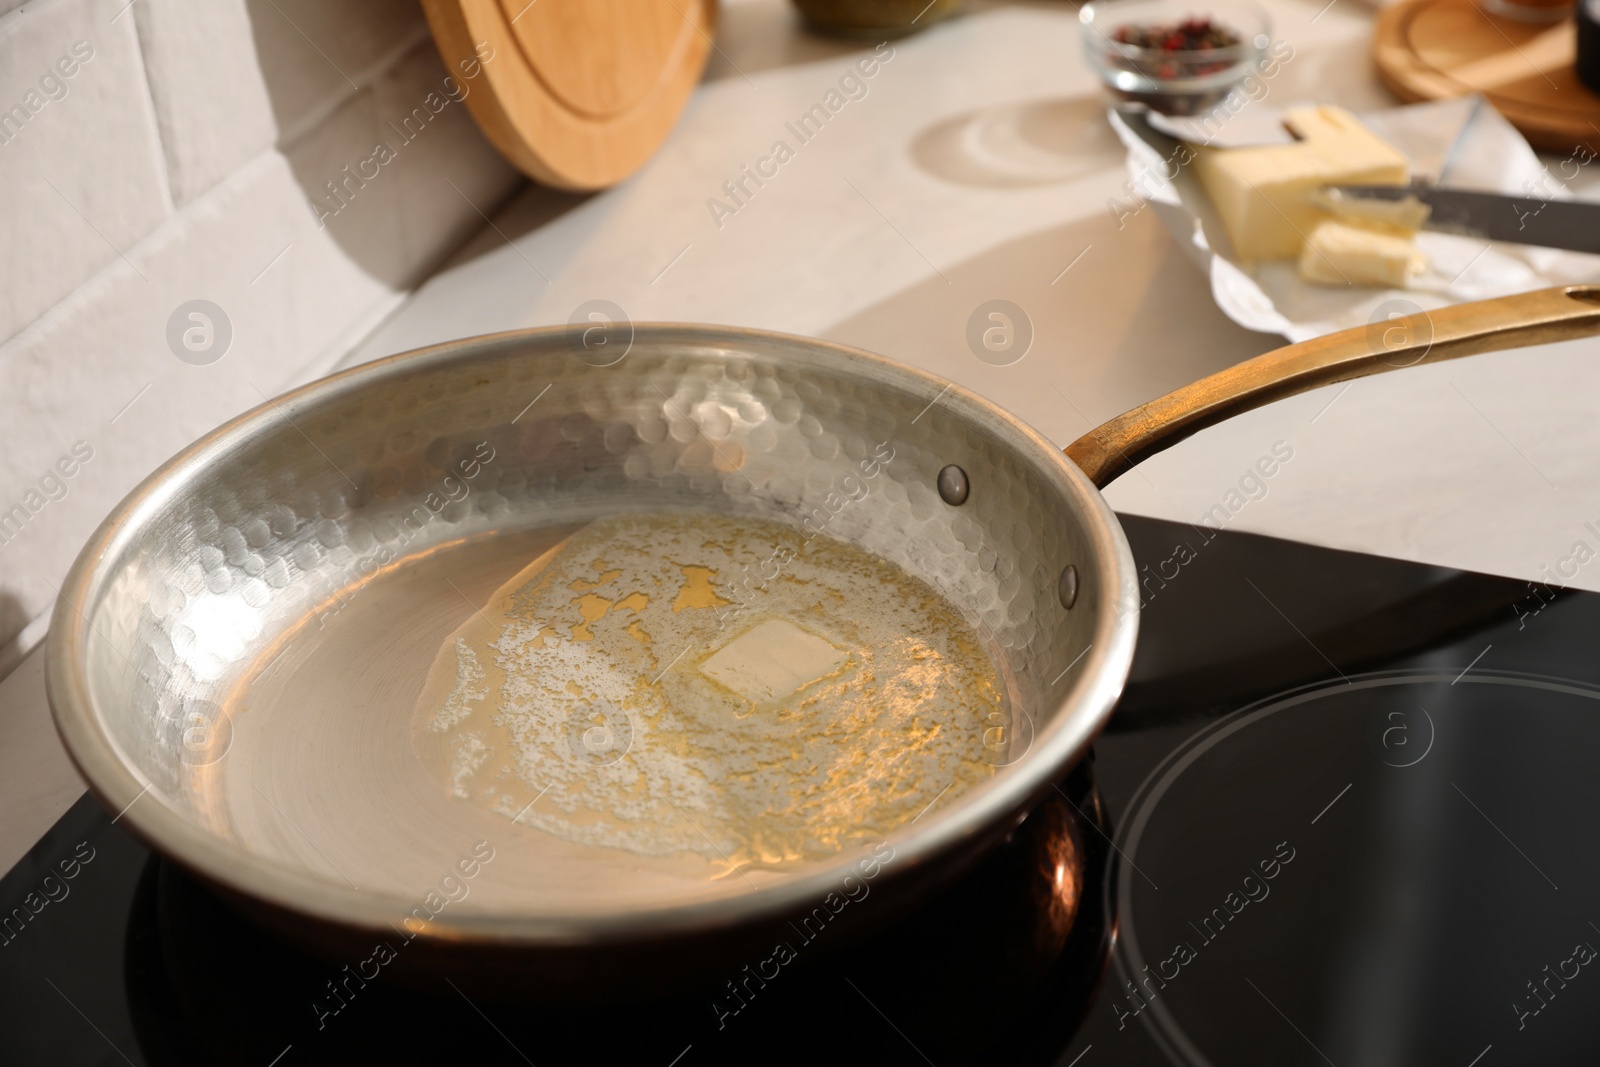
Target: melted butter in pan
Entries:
(649, 684)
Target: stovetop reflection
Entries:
(1409, 876)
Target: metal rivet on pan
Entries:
(1067, 586)
(953, 486)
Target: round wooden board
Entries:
(1436, 49)
(576, 93)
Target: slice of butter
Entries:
(772, 660)
(1349, 253)
(1264, 194)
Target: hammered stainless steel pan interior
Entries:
(236, 656)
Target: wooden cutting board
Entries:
(1434, 49)
(576, 93)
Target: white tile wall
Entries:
(319, 51)
(80, 160)
(209, 92)
(438, 205)
(184, 157)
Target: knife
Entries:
(1573, 225)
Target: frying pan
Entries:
(233, 654)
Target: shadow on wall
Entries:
(376, 131)
(13, 617)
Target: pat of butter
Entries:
(1346, 253)
(771, 660)
(1264, 194)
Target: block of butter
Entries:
(1347, 252)
(1264, 193)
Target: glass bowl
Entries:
(1173, 82)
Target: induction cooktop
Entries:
(1344, 814)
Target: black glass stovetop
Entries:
(1345, 814)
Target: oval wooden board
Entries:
(576, 93)
(1436, 49)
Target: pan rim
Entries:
(1078, 715)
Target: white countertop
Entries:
(978, 166)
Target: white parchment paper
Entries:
(1487, 154)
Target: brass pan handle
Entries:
(1539, 317)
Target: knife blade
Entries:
(1573, 225)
